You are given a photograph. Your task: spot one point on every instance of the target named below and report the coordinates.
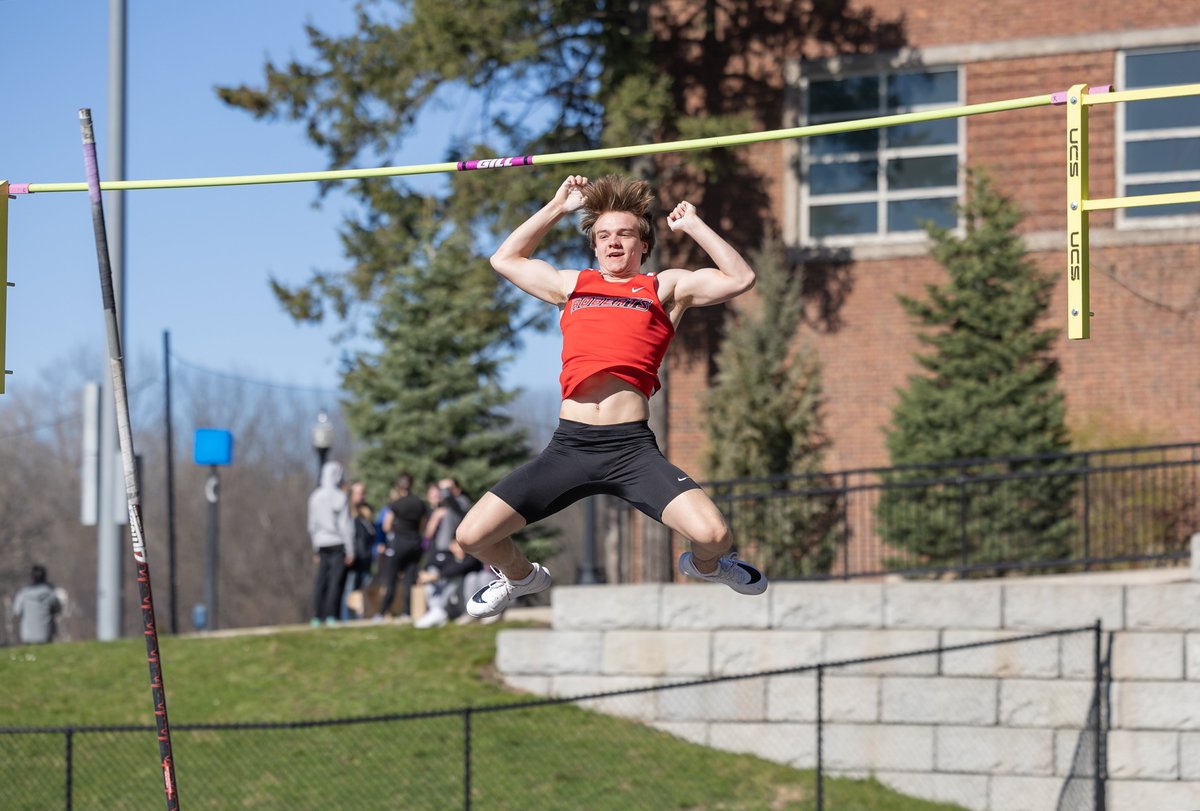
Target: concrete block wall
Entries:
(992, 728)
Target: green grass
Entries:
(559, 757)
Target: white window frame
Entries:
(881, 196)
(1123, 180)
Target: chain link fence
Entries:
(943, 723)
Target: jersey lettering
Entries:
(622, 302)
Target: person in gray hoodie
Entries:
(36, 606)
(331, 529)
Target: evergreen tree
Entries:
(764, 422)
(428, 399)
(989, 387)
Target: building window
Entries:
(1159, 149)
(873, 184)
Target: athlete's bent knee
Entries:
(469, 535)
(714, 538)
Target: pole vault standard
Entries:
(125, 436)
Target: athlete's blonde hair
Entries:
(618, 193)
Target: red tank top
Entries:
(615, 327)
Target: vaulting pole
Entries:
(125, 436)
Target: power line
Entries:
(251, 380)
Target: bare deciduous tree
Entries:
(265, 557)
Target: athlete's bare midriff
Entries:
(605, 400)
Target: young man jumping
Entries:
(616, 323)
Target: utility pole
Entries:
(109, 598)
(212, 494)
(169, 441)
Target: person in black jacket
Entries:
(404, 526)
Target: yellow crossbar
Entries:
(1144, 94)
(1103, 203)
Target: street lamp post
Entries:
(213, 447)
(322, 439)
(212, 490)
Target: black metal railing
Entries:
(528, 754)
(1052, 512)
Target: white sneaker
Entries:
(738, 575)
(501, 593)
(434, 618)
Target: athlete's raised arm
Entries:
(731, 277)
(513, 259)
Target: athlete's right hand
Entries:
(570, 193)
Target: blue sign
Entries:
(214, 446)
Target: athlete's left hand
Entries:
(682, 216)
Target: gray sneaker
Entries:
(501, 593)
(737, 574)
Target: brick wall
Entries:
(928, 24)
(1139, 375)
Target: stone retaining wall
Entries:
(992, 728)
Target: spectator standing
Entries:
(454, 505)
(359, 572)
(379, 559)
(331, 530)
(433, 497)
(36, 606)
(380, 534)
(404, 526)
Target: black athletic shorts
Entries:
(586, 460)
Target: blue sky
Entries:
(197, 260)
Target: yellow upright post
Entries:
(1078, 295)
(3, 277)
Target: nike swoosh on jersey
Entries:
(638, 288)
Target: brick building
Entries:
(859, 197)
